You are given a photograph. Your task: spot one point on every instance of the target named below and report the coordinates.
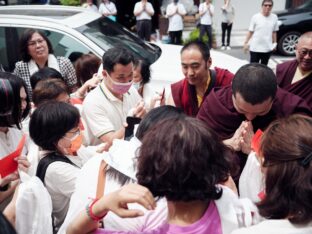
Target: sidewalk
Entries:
(237, 37)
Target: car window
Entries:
(107, 34)
(63, 45)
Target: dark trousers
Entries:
(144, 29)
(175, 37)
(226, 28)
(258, 57)
(206, 29)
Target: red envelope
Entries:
(255, 142)
(8, 165)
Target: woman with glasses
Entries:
(54, 128)
(36, 52)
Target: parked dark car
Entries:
(293, 22)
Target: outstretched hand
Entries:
(117, 202)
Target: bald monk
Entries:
(295, 76)
(252, 102)
(189, 93)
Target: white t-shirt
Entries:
(206, 18)
(102, 112)
(176, 20)
(277, 226)
(144, 15)
(108, 8)
(60, 179)
(262, 28)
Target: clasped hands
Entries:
(241, 140)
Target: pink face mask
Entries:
(120, 88)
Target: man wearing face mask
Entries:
(105, 109)
(175, 12)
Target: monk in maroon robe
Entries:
(295, 76)
(189, 93)
(252, 103)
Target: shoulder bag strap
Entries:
(101, 180)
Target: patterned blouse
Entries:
(66, 69)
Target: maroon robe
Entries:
(184, 94)
(218, 111)
(303, 88)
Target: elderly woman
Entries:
(286, 156)
(36, 52)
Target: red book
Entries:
(255, 142)
(8, 165)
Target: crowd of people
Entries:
(260, 40)
(88, 149)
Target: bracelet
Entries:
(90, 214)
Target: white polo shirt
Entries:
(109, 8)
(175, 21)
(206, 18)
(102, 112)
(144, 15)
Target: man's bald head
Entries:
(304, 52)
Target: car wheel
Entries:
(287, 43)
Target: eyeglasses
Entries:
(76, 133)
(304, 52)
(34, 43)
(267, 5)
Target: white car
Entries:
(74, 30)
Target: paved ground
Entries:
(237, 40)
(239, 53)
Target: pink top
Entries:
(209, 223)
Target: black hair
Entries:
(44, 73)
(255, 83)
(154, 116)
(118, 176)
(116, 55)
(50, 122)
(17, 114)
(264, 1)
(201, 46)
(145, 69)
(6, 97)
(23, 43)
